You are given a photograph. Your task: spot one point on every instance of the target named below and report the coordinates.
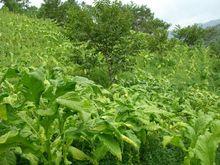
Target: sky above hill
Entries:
(182, 12)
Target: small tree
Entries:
(144, 21)
(104, 25)
(79, 23)
(15, 5)
(61, 12)
(50, 9)
(191, 35)
(112, 22)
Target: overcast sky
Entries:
(182, 12)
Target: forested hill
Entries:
(211, 23)
(77, 88)
(212, 38)
(214, 33)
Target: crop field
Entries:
(66, 101)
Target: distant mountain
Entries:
(211, 23)
(212, 37)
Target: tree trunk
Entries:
(110, 69)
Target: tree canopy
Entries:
(191, 35)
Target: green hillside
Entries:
(110, 98)
(30, 42)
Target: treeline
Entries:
(112, 32)
(196, 35)
(108, 26)
(80, 19)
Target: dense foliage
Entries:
(212, 38)
(191, 35)
(59, 106)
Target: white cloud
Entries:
(185, 12)
(36, 2)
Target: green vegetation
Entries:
(114, 91)
(191, 35)
(15, 5)
(212, 38)
(24, 39)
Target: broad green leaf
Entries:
(11, 72)
(100, 125)
(76, 103)
(55, 144)
(154, 110)
(167, 140)
(79, 106)
(8, 158)
(100, 152)
(25, 132)
(198, 127)
(28, 120)
(12, 100)
(216, 128)
(78, 154)
(207, 144)
(131, 138)
(69, 122)
(33, 85)
(111, 144)
(57, 157)
(3, 95)
(85, 116)
(83, 81)
(47, 112)
(8, 135)
(65, 87)
(205, 148)
(202, 123)
(175, 140)
(189, 156)
(42, 134)
(32, 158)
(3, 112)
